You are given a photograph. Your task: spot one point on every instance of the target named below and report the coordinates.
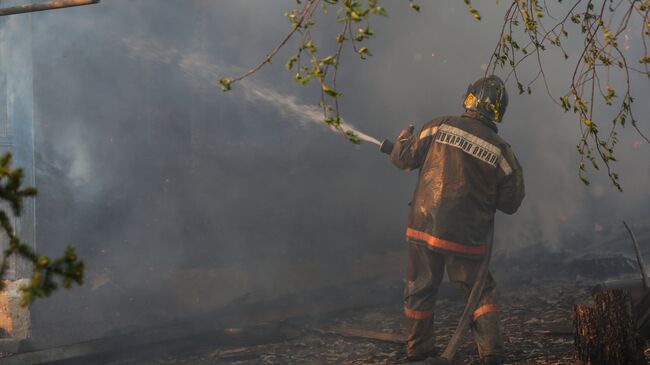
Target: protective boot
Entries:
(488, 338)
(493, 360)
(430, 361)
(420, 339)
(424, 273)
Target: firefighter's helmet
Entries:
(488, 96)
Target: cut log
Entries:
(607, 333)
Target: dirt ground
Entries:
(535, 319)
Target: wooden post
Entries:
(607, 333)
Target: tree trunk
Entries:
(607, 334)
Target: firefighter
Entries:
(466, 173)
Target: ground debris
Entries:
(535, 321)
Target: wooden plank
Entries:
(561, 330)
(362, 333)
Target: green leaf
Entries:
(611, 94)
(363, 52)
(564, 100)
(355, 16)
(378, 10)
(330, 92)
(472, 11)
(352, 137)
(475, 13)
(333, 122)
(329, 60)
(226, 84)
(608, 38)
(309, 46)
(291, 62)
(302, 80)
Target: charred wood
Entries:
(362, 333)
(607, 333)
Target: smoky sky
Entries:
(146, 166)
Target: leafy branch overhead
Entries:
(602, 60)
(529, 28)
(308, 64)
(68, 268)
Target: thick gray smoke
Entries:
(177, 193)
(199, 66)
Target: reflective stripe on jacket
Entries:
(467, 172)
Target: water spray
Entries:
(200, 67)
(386, 146)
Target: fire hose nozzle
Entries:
(387, 146)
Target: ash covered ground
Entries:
(536, 301)
(525, 314)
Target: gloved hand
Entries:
(404, 136)
(406, 133)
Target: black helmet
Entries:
(487, 96)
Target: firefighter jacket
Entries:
(467, 172)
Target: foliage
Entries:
(599, 28)
(68, 268)
(308, 64)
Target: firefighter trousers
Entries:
(424, 274)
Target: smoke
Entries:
(199, 67)
(178, 194)
(292, 109)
